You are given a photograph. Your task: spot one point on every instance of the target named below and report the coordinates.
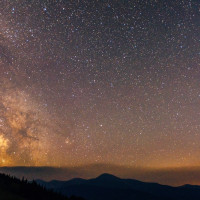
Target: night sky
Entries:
(112, 82)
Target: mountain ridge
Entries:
(107, 186)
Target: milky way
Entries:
(113, 82)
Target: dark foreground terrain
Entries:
(14, 189)
(104, 187)
(109, 187)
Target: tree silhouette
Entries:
(12, 188)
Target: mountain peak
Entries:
(107, 176)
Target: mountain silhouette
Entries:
(12, 188)
(109, 187)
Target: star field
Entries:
(113, 82)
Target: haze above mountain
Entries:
(167, 176)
